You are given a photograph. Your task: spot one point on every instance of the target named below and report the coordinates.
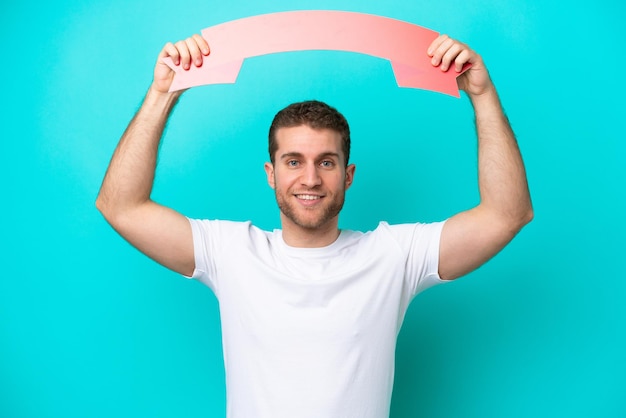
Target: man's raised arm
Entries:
(124, 198)
(472, 237)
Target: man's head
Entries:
(314, 114)
(309, 145)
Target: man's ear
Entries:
(269, 171)
(350, 169)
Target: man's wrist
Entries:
(156, 99)
(488, 97)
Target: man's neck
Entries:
(297, 236)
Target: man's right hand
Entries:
(185, 53)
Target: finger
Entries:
(438, 54)
(450, 55)
(169, 50)
(185, 56)
(202, 44)
(194, 51)
(434, 45)
(463, 58)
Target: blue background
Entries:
(91, 328)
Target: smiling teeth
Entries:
(307, 197)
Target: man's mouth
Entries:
(308, 196)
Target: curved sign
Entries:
(403, 44)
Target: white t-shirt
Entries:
(311, 332)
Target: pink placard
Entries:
(402, 43)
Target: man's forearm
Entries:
(502, 177)
(129, 178)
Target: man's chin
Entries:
(311, 219)
(309, 224)
(312, 223)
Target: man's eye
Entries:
(292, 163)
(327, 163)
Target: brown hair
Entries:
(312, 113)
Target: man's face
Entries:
(309, 177)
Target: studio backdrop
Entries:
(89, 327)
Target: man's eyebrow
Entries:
(299, 154)
(290, 155)
(329, 154)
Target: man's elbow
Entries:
(99, 204)
(521, 219)
(102, 205)
(510, 222)
(107, 209)
(530, 215)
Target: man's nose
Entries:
(310, 176)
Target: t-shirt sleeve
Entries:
(420, 242)
(204, 237)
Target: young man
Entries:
(310, 313)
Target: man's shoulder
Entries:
(402, 231)
(220, 228)
(384, 226)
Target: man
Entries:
(310, 313)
